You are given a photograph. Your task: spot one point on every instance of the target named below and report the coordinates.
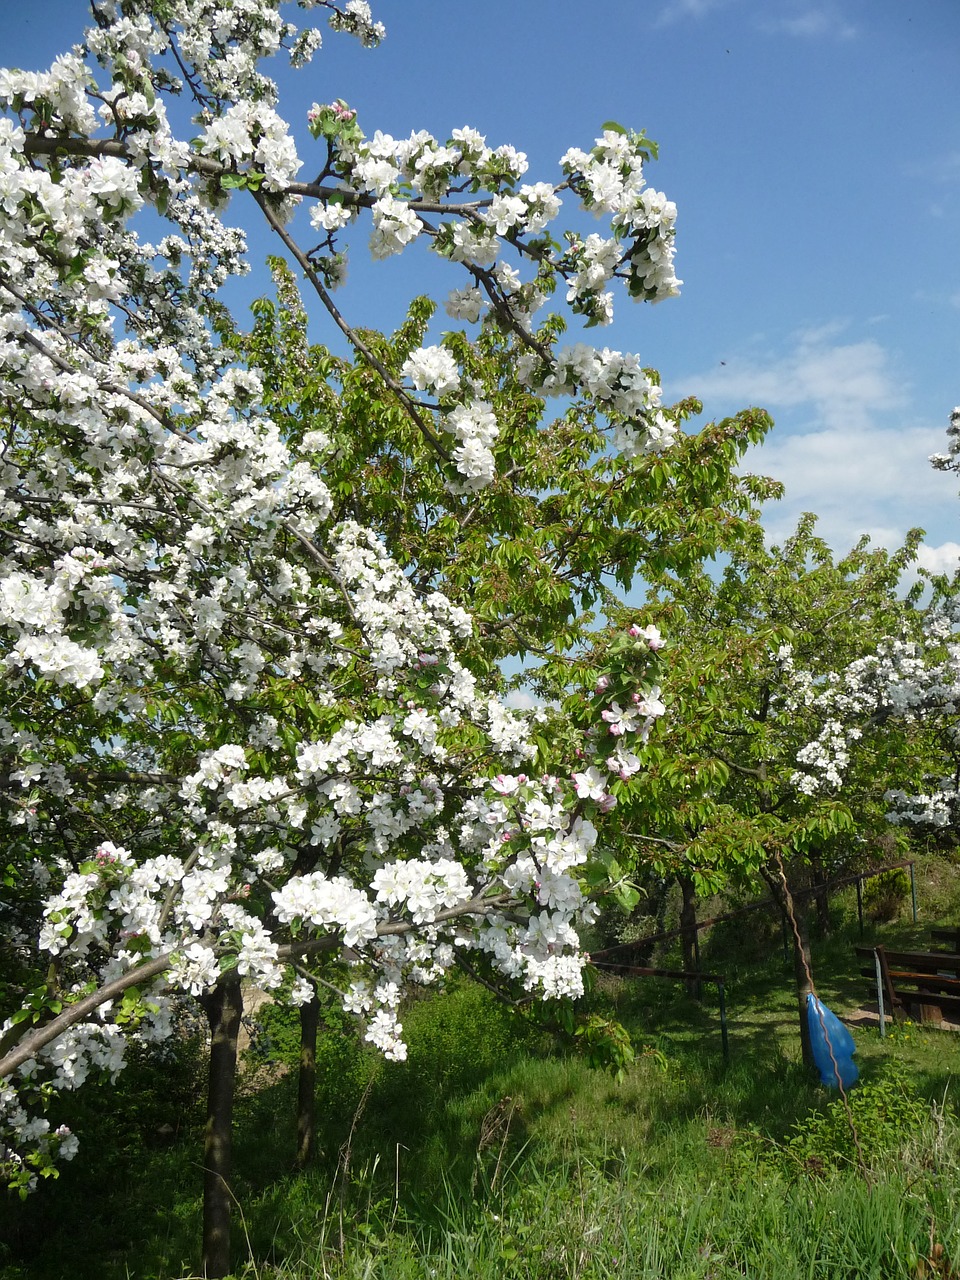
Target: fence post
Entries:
(876, 965)
(913, 891)
(860, 903)
(723, 1023)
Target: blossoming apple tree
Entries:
(240, 738)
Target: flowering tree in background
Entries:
(763, 770)
(240, 736)
(913, 681)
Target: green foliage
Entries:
(607, 1045)
(457, 1038)
(533, 554)
(885, 894)
(717, 798)
(877, 1120)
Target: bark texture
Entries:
(224, 1009)
(307, 1084)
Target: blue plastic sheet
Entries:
(823, 1023)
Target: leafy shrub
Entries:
(885, 894)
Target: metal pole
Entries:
(913, 891)
(876, 962)
(723, 1024)
(860, 903)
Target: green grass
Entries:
(491, 1154)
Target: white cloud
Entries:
(943, 168)
(521, 700)
(845, 446)
(874, 480)
(942, 559)
(845, 384)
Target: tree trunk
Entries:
(801, 957)
(821, 897)
(688, 936)
(307, 1083)
(801, 970)
(224, 1009)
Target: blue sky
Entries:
(813, 150)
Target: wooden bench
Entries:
(918, 984)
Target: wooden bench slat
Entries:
(930, 980)
(920, 960)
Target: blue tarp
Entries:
(823, 1024)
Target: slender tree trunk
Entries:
(307, 1083)
(821, 897)
(801, 970)
(801, 957)
(224, 1009)
(688, 937)
(822, 900)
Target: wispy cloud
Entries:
(678, 10)
(814, 23)
(844, 383)
(870, 480)
(943, 168)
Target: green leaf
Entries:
(627, 897)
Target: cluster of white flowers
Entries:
(634, 721)
(918, 682)
(837, 704)
(475, 427)
(253, 132)
(915, 681)
(21, 1132)
(609, 180)
(617, 384)
(950, 461)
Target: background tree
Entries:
(760, 772)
